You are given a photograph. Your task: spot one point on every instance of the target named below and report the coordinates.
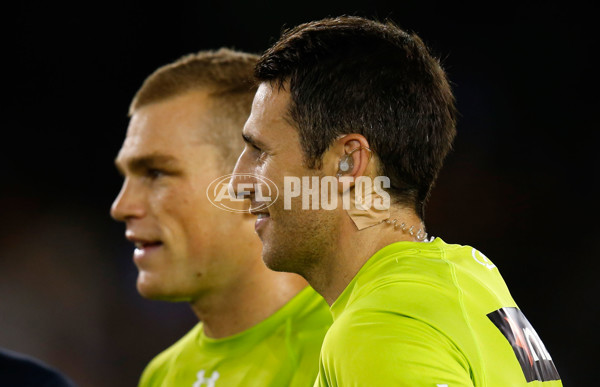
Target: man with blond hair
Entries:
(258, 327)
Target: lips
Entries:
(144, 246)
(262, 217)
(261, 220)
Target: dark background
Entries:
(519, 184)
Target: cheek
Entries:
(161, 193)
(177, 207)
(276, 176)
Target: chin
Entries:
(279, 260)
(161, 295)
(155, 289)
(147, 290)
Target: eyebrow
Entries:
(141, 163)
(253, 141)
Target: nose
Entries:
(128, 204)
(242, 180)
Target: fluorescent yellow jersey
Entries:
(431, 314)
(282, 350)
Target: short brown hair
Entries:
(354, 75)
(227, 76)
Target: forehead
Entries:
(173, 126)
(269, 119)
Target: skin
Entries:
(186, 248)
(325, 247)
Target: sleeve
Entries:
(155, 372)
(385, 349)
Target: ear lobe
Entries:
(345, 183)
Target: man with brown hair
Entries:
(258, 327)
(347, 101)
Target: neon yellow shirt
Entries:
(282, 350)
(431, 314)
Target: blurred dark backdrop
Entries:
(519, 185)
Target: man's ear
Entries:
(357, 154)
(348, 158)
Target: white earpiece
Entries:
(346, 163)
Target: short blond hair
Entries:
(227, 76)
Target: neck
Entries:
(356, 247)
(245, 302)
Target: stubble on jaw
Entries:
(308, 246)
